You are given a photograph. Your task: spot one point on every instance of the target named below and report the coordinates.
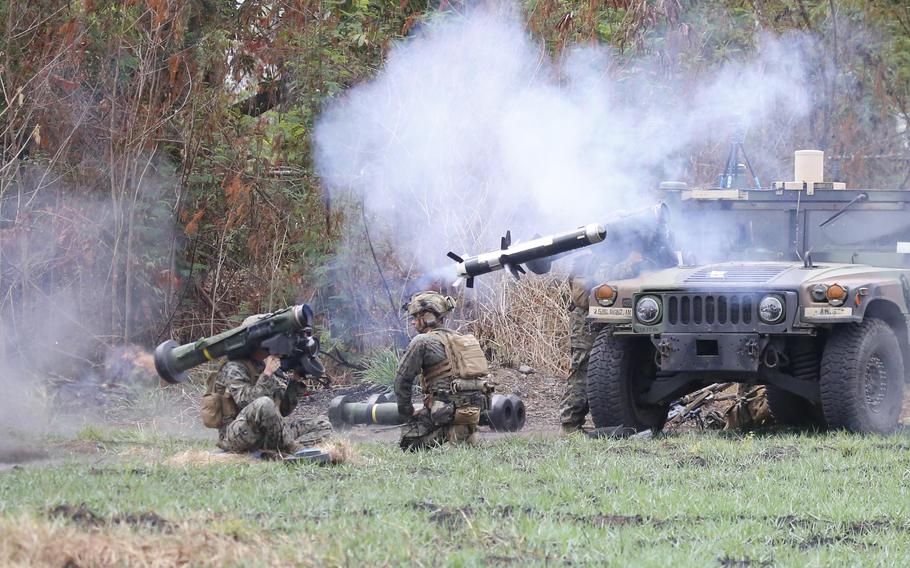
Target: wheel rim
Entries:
(876, 381)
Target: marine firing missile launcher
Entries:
(286, 333)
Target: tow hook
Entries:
(665, 348)
(752, 348)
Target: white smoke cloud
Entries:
(471, 128)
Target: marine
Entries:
(450, 366)
(250, 401)
(573, 406)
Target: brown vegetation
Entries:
(31, 541)
(157, 178)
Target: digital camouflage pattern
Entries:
(434, 425)
(264, 403)
(573, 407)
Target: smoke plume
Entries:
(472, 128)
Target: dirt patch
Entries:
(612, 520)
(793, 522)
(779, 453)
(692, 461)
(540, 393)
(11, 456)
(504, 560)
(817, 540)
(451, 518)
(86, 518)
(869, 526)
(746, 562)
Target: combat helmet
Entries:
(430, 301)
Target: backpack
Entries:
(464, 354)
(216, 405)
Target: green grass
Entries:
(694, 500)
(381, 367)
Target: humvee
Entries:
(803, 287)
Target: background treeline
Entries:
(157, 179)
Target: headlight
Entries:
(648, 310)
(605, 295)
(836, 294)
(771, 309)
(818, 292)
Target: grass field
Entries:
(701, 499)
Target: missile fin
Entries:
(469, 282)
(454, 257)
(506, 241)
(513, 270)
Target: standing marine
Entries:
(450, 366)
(250, 402)
(586, 272)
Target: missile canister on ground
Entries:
(503, 413)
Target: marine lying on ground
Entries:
(823, 325)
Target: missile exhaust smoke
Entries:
(472, 129)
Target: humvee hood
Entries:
(748, 275)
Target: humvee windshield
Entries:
(771, 227)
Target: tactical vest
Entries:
(464, 365)
(217, 406)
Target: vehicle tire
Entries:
(862, 378)
(793, 410)
(619, 368)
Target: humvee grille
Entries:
(747, 273)
(711, 309)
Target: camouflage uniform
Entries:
(262, 404)
(435, 423)
(573, 407)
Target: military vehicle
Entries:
(803, 287)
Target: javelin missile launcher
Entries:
(647, 228)
(287, 334)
